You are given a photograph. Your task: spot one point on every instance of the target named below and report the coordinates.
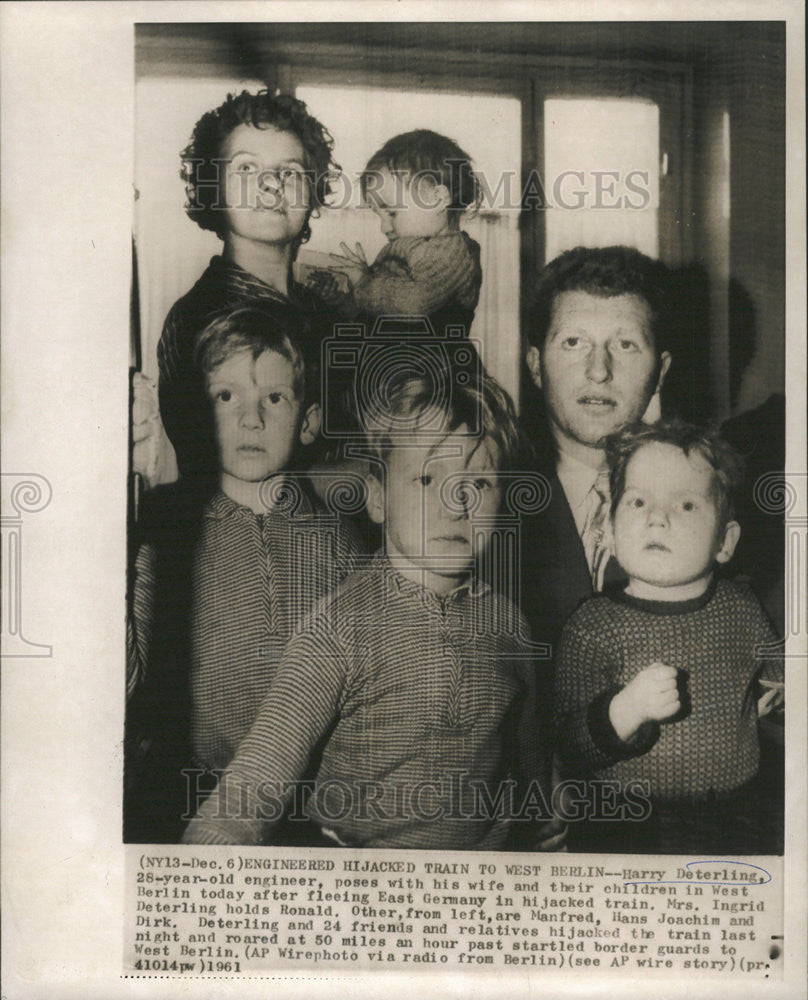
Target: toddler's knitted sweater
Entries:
(710, 747)
(421, 276)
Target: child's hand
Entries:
(356, 256)
(354, 265)
(651, 696)
(146, 427)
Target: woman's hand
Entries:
(147, 428)
(325, 285)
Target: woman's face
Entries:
(266, 193)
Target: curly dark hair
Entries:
(607, 272)
(725, 462)
(424, 153)
(200, 166)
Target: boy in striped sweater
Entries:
(219, 586)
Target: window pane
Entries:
(601, 160)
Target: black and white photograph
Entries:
(447, 524)
(551, 241)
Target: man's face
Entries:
(598, 367)
(429, 533)
(666, 527)
(266, 191)
(257, 413)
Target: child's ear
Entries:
(533, 361)
(664, 364)
(443, 197)
(375, 498)
(310, 427)
(732, 533)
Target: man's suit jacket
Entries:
(554, 574)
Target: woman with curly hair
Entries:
(256, 169)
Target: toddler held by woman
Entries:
(419, 184)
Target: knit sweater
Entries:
(216, 593)
(710, 747)
(422, 706)
(434, 276)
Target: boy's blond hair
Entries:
(436, 402)
(251, 328)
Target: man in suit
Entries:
(596, 337)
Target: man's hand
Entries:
(651, 696)
(773, 697)
(550, 836)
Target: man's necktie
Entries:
(596, 536)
